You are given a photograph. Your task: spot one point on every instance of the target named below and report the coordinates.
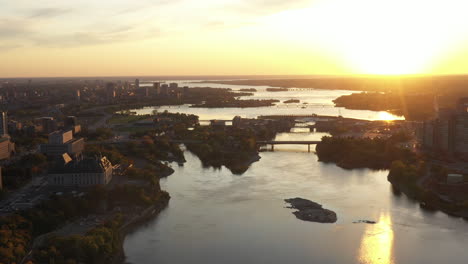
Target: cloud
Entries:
(265, 7)
(7, 47)
(10, 28)
(90, 38)
(48, 12)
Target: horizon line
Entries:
(239, 75)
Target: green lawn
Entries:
(125, 119)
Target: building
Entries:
(164, 89)
(61, 142)
(60, 137)
(14, 126)
(157, 88)
(461, 127)
(84, 172)
(77, 95)
(3, 124)
(70, 121)
(7, 148)
(173, 86)
(455, 178)
(448, 133)
(110, 92)
(218, 124)
(1, 179)
(46, 125)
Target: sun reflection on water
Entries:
(377, 242)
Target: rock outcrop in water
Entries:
(311, 211)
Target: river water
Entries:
(217, 217)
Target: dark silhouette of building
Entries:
(157, 88)
(447, 134)
(3, 124)
(110, 92)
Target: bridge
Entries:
(286, 142)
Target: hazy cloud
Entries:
(48, 12)
(90, 22)
(8, 47)
(269, 6)
(10, 28)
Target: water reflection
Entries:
(377, 242)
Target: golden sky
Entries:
(232, 37)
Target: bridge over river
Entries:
(288, 142)
(182, 141)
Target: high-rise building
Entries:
(173, 86)
(70, 121)
(77, 95)
(137, 83)
(110, 92)
(157, 88)
(461, 127)
(3, 124)
(448, 133)
(164, 89)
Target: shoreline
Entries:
(147, 214)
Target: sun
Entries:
(387, 37)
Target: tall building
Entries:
(61, 142)
(46, 124)
(110, 92)
(461, 127)
(164, 89)
(157, 88)
(7, 148)
(173, 86)
(137, 83)
(448, 133)
(3, 124)
(77, 95)
(70, 121)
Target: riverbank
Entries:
(146, 215)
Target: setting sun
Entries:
(379, 36)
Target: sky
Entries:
(45, 38)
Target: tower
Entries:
(3, 124)
(110, 92)
(157, 88)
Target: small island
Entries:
(248, 90)
(277, 89)
(292, 101)
(311, 211)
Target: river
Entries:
(217, 217)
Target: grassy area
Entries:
(132, 129)
(125, 119)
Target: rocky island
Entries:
(311, 211)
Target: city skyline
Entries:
(232, 37)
